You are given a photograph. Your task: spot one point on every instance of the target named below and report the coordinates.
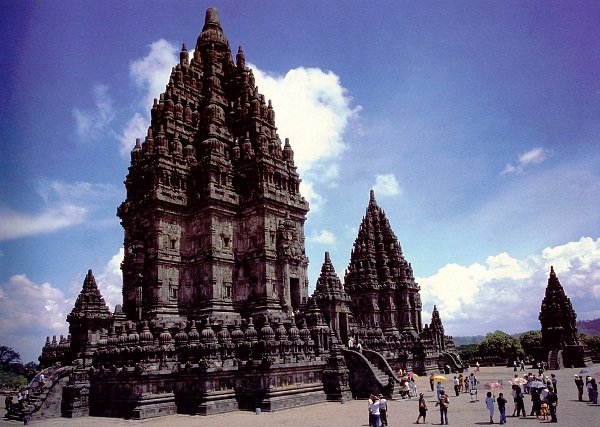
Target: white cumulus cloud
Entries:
(323, 237)
(386, 185)
(28, 313)
(110, 280)
(534, 156)
(92, 123)
(506, 293)
(151, 73)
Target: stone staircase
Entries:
(369, 373)
(46, 403)
(555, 359)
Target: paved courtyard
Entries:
(463, 411)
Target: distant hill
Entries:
(589, 327)
(474, 339)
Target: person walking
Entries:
(413, 386)
(594, 391)
(374, 411)
(554, 382)
(579, 385)
(383, 410)
(431, 381)
(489, 402)
(443, 403)
(422, 409)
(456, 386)
(552, 400)
(501, 400)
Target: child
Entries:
(544, 412)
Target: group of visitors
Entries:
(377, 411)
(592, 388)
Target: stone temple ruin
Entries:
(561, 346)
(216, 312)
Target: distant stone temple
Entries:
(561, 346)
(216, 312)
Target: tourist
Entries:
(489, 402)
(369, 402)
(439, 390)
(374, 411)
(594, 391)
(522, 365)
(536, 403)
(461, 381)
(517, 395)
(515, 366)
(552, 400)
(413, 386)
(579, 385)
(351, 343)
(477, 367)
(431, 381)
(456, 386)
(383, 410)
(359, 347)
(8, 401)
(41, 381)
(502, 407)
(443, 402)
(406, 390)
(554, 381)
(588, 383)
(422, 409)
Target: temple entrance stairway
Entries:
(369, 374)
(46, 402)
(555, 359)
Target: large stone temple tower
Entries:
(379, 280)
(214, 220)
(216, 314)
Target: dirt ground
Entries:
(464, 410)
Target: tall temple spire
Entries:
(212, 154)
(557, 317)
(380, 276)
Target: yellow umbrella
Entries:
(439, 378)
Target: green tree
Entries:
(9, 359)
(530, 340)
(500, 344)
(592, 342)
(467, 352)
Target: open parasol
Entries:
(518, 381)
(493, 385)
(439, 378)
(536, 384)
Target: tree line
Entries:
(13, 373)
(499, 345)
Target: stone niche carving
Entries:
(170, 236)
(290, 244)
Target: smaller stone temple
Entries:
(560, 341)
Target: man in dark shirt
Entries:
(502, 407)
(552, 400)
(579, 384)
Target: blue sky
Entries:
(477, 124)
